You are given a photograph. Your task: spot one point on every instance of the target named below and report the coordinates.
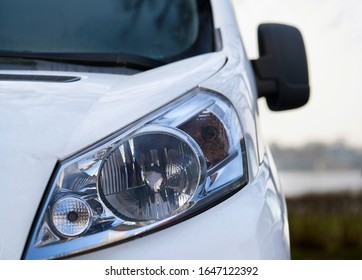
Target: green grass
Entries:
(326, 226)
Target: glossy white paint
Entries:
(43, 122)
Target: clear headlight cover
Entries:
(175, 163)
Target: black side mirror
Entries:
(281, 72)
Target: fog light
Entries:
(71, 216)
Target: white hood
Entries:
(43, 122)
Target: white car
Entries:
(129, 130)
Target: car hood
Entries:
(44, 122)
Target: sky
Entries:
(332, 32)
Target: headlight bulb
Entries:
(154, 177)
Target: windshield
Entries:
(161, 30)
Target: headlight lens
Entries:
(151, 176)
(170, 165)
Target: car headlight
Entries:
(165, 168)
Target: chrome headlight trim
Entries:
(223, 171)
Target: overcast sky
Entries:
(332, 32)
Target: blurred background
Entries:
(318, 148)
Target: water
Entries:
(297, 183)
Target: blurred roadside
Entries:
(317, 168)
(326, 226)
(323, 188)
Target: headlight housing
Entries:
(168, 166)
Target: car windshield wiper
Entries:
(116, 59)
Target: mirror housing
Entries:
(281, 72)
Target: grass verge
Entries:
(326, 226)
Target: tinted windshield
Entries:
(158, 29)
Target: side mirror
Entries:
(281, 72)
